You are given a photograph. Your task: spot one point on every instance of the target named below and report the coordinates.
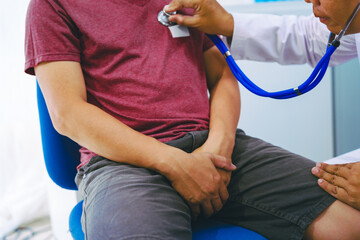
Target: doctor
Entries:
(288, 40)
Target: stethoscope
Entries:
(314, 79)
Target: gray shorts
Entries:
(272, 192)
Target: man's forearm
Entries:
(224, 104)
(108, 137)
(224, 113)
(224, 117)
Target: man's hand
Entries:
(196, 179)
(209, 16)
(341, 181)
(224, 174)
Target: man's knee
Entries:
(338, 221)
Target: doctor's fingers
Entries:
(189, 21)
(334, 190)
(176, 5)
(329, 177)
(343, 170)
(349, 195)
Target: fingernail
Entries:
(166, 8)
(318, 165)
(233, 166)
(315, 170)
(320, 181)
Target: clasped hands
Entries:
(201, 179)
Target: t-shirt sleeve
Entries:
(50, 35)
(207, 43)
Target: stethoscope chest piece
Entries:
(163, 18)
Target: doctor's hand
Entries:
(209, 16)
(341, 181)
(196, 179)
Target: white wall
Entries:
(303, 124)
(22, 174)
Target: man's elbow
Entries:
(60, 120)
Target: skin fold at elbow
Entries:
(61, 119)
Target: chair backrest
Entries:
(61, 154)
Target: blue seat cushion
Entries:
(214, 230)
(75, 222)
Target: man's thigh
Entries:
(127, 202)
(272, 191)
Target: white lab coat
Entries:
(287, 40)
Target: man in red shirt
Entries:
(156, 150)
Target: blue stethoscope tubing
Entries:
(314, 79)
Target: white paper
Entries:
(350, 157)
(178, 31)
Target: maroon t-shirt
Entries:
(133, 68)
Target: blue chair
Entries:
(62, 156)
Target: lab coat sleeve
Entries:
(286, 40)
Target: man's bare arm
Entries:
(225, 102)
(224, 116)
